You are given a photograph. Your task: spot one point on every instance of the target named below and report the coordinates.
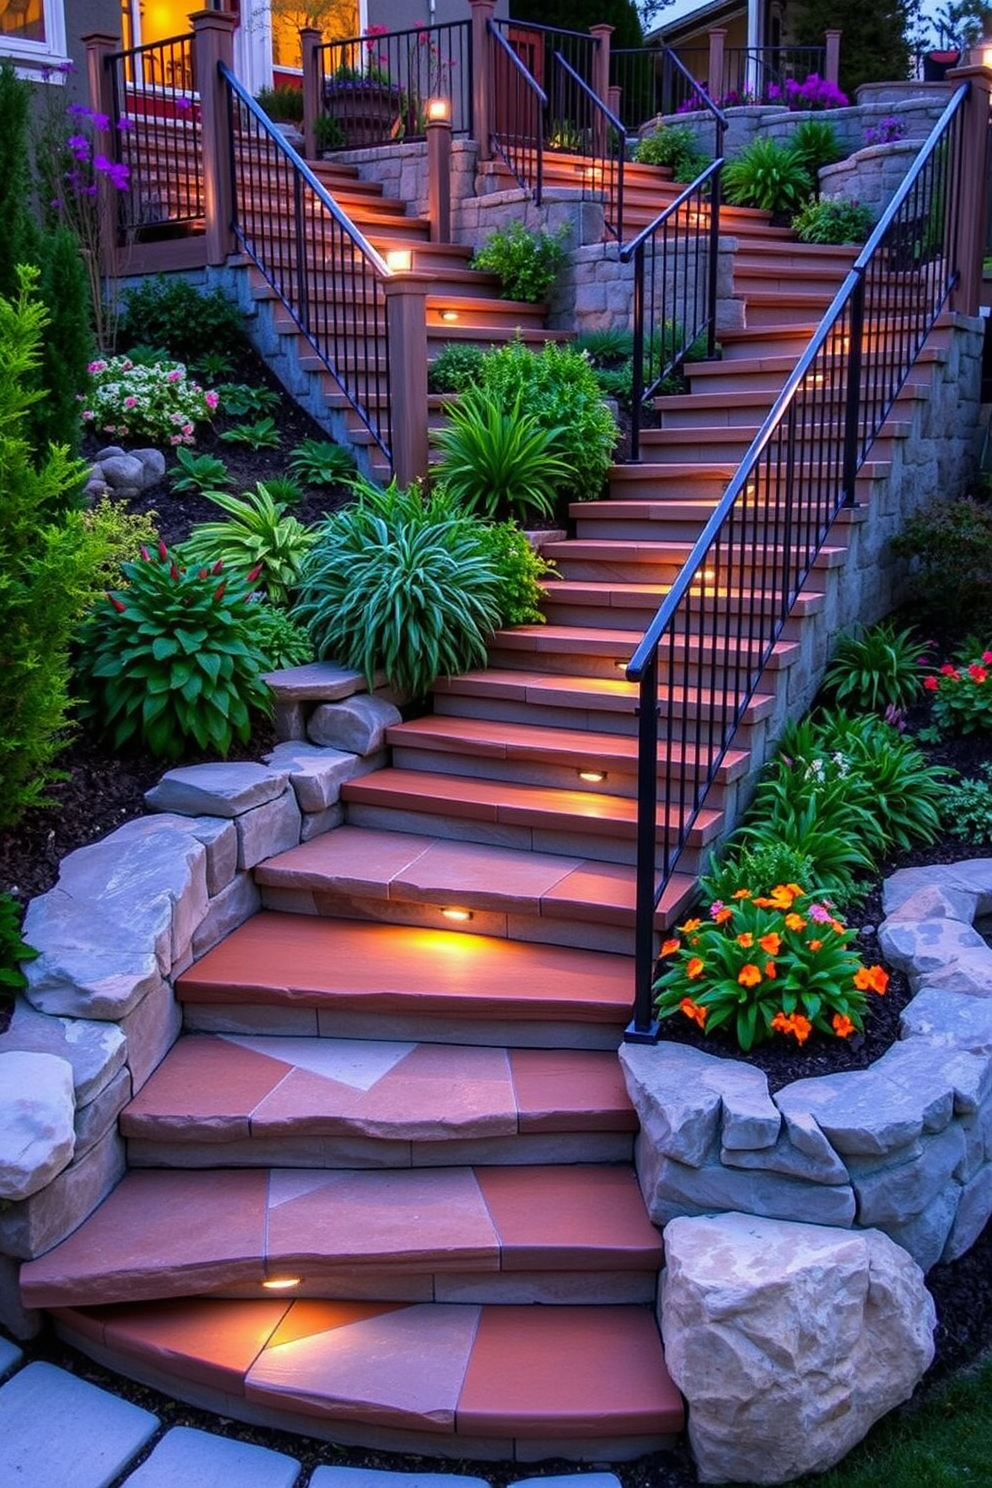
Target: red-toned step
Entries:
(443, 1234)
(445, 1379)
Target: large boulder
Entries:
(788, 1340)
(37, 1114)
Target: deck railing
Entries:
(518, 116)
(377, 87)
(155, 95)
(662, 80)
(328, 277)
(728, 606)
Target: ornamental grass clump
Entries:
(766, 964)
(158, 403)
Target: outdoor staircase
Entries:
(381, 1189)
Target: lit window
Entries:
(32, 33)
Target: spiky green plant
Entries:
(768, 176)
(257, 533)
(497, 462)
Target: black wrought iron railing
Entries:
(535, 45)
(157, 136)
(662, 80)
(328, 277)
(763, 74)
(698, 665)
(519, 104)
(581, 124)
(376, 88)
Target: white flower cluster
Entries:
(130, 400)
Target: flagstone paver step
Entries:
(392, 1234)
(444, 1379)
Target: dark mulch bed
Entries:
(98, 793)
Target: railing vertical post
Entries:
(600, 81)
(310, 38)
(852, 409)
(715, 65)
(213, 43)
(644, 1029)
(406, 315)
(439, 178)
(831, 60)
(637, 379)
(99, 46)
(972, 203)
(482, 76)
(712, 282)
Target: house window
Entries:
(32, 32)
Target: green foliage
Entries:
(456, 367)
(13, 950)
(132, 401)
(284, 103)
(961, 695)
(47, 568)
(875, 48)
(256, 534)
(68, 344)
(874, 668)
(212, 365)
(186, 322)
(815, 143)
(400, 583)
(119, 536)
(328, 133)
(198, 472)
(238, 398)
(767, 175)
(762, 964)
(19, 238)
(499, 463)
(675, 146)
(280, 640)
(173, 659)
(321, 462)
(760, 868)
(950, 545)
(525, 263)
(559, 388)
(284, 488)
(262, 434)
(519, 571)
(966, 807)
(833, 221)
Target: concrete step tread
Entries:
(305, 962)
(174, 1234)
(441, 1375)
(618, 645)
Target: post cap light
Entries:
(438, 110)
(399, 260)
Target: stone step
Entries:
(601, 652)
(436, 1379)
(453, 1234)
(402, 878)
(607, 559)
(623, 518)
(732, 443)
(301, 975)
(635, 605)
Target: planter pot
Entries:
(369, 113)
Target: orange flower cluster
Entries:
(693, 1010)
(793, 1023)
(871, 979)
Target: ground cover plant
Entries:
(526, 263)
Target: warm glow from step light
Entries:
(449, 315)
(438, 110)
(460, 915)
(592, 777)
(282, 1283)
(399, 260)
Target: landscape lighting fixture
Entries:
(399, 260)
(459, 915)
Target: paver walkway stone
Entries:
(57, 1431)
(185, 1458)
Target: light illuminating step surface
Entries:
(163, 1234)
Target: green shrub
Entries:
(833, 222)
(759, 869)
(768, 176)
(119, 537)
(874, 668)
(68, 344)
(279, 639)
(455, 368)
(674, 146)
(13, 950)
(815, 143)
(400, 583)
(284, 103)
(519, 571)
(158, 403)
(321, 462)
(239, 398)
(48, 569)
(525, 263)
(173, 659)
(328, 133)
(966, 807)
(498, 463)
(184, 321)
(258, 435)
(256, 534)
(950, 545)
(198, 472)
(559, 388)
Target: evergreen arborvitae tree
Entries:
(19, 233)
(68, 345)
(874, 45)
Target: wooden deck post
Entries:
(100, 45)
(601, 81)
(439, 169)
(831, 62)
(716, 63)
(971, 202)
(482, 75)
(213, 42)
(406, 314)
(310, 39)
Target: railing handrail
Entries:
(593, 97)
(366, 40)
(645, 649)
(529, 78)
(150, 46)
(629, 249)
(717, 112)
(509, 23)
(363, 245)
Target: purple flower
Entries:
(117, 173)
(182, 104)
(79, 111)
(124, 123)
(100, 121)
(78, 146)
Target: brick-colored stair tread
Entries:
(563, 690)
(556, 1374)
(174, 1234)
(304, 961)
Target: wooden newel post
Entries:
(100, 46)
(716, 63)
(482, 75)
(439, 175)
(601, 80)
(971, 203)
(831, 61)
(406, 316)
(310, 39)
(213, 42)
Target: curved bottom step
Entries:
(449, 1380)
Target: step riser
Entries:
(606, 669)
(342, 1153)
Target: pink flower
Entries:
(819, 914)
(211, 400)
(130, 402)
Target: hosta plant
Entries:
(171, 660)
(256, 534)
(320, 462)
(961, 695)
(400, 583)
(135, 402)
(239, 398)
(766, 964)
(499, 462)
(875, 667)
(261, 434)
(198, 472)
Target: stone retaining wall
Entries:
(904, 1147)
